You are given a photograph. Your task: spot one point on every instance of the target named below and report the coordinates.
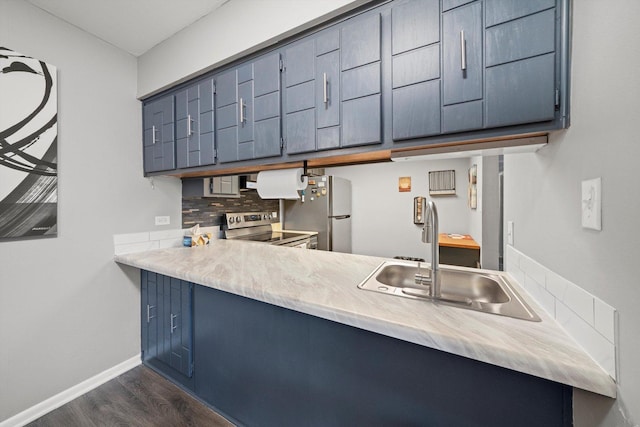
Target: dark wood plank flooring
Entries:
(139, 397)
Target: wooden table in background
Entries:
(462, 251)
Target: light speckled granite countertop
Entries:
(324, 284)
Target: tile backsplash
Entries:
(209, 211)
(586, 318)
(138, 242)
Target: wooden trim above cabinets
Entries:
(351, 159)
(242, 170)
(450, 148)
(342, 160)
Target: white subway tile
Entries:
(123, 239)
(513, 256)
(534, 270)
(517, 275)
(166, 234)
(580, 301)
(541, 295)
(136, 247)
(596, 345)
(170, 243)
(557, 285)
(605, 320)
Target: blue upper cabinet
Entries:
(398, 73)
(248, 110)
(195, 137)
(159, 137)
(416, 85)
(465, 65)
(333, 87)
(312, 93)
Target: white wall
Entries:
(382, 217)
(67, 311)
(542, 191)
(236, 27)
(490, 212)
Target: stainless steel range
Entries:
(256, 227)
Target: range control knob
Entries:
(264, 216)
(237, 219)
(269, 216)
(231, 220)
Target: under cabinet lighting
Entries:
(488, 148)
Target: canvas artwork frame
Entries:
(28, 147)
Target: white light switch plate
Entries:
(163, 220)
(592, 204)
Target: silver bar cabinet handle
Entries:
(463, 52)
(153, 134)
(173, 325)
(189, 131)
(325, 97)
(241, 111)
(149, 316)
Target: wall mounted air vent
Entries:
(442, 183)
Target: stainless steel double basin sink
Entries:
(473, 290)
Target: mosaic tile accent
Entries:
(210, 210)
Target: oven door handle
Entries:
(340, 216)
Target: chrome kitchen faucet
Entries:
(430, 235)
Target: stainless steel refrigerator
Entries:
(326, 209)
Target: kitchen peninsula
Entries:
(281, 334)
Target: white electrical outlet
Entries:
(592, 204)
(510, 232)
(163, 220)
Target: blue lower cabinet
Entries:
(263, 365)
(167, 326)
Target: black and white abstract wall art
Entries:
(28, 147)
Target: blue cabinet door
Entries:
(227, 117)
(206, 155)
(195, 144)
(149, 316)
(328, 91)
(167, 331)
(333, 87)
(248, 110)
(415, 48)
(462, 68)
(180, 336)
(312, 93)
(159, 136)
(521, 62)
(266, 106)
(360, 64)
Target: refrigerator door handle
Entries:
(340, 217)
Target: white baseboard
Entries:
(44, 407)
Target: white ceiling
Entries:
(132, 25)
